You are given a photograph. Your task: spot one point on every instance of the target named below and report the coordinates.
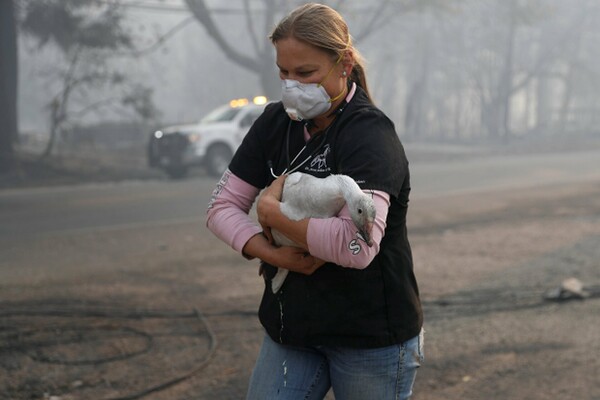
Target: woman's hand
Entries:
(287, 257)
(295, 259)
(269, 202)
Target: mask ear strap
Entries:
(338, 96)
(330, 71)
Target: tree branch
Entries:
(558, 48)
(161, 39)
(92, 107)
(374, 22)
(203, 15)
(250, 25)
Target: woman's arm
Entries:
(337, 239)
(330, 239)
(228, 219)
(291, 258)
(227, 214)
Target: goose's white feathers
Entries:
(305, 196)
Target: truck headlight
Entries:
(158, 134)
(194, 137)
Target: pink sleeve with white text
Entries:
(336, 240)
(227, 214)
(331, 239)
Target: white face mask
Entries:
(307, 100)
(304, 100)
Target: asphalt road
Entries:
(93, 272)
(92, 207)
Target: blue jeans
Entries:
(307, 373)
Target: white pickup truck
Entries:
(209, 143)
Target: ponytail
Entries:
(359, 75)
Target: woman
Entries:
(348, 316)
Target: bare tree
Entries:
(87, 44)
(463, 70)
(8, 84)
(261, 60)
(575, 67)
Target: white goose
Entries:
(305, 196)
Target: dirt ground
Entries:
(169, 312)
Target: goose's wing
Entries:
(294, 186)
(278, 279)
(297, 189)
(306, 196)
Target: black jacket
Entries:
(374, 307)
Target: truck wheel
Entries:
(177, 172)
(217, 160)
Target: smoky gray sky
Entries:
(441, 70)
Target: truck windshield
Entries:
(221, 114)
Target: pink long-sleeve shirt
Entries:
(330, 239)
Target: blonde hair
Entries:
(324, 28)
